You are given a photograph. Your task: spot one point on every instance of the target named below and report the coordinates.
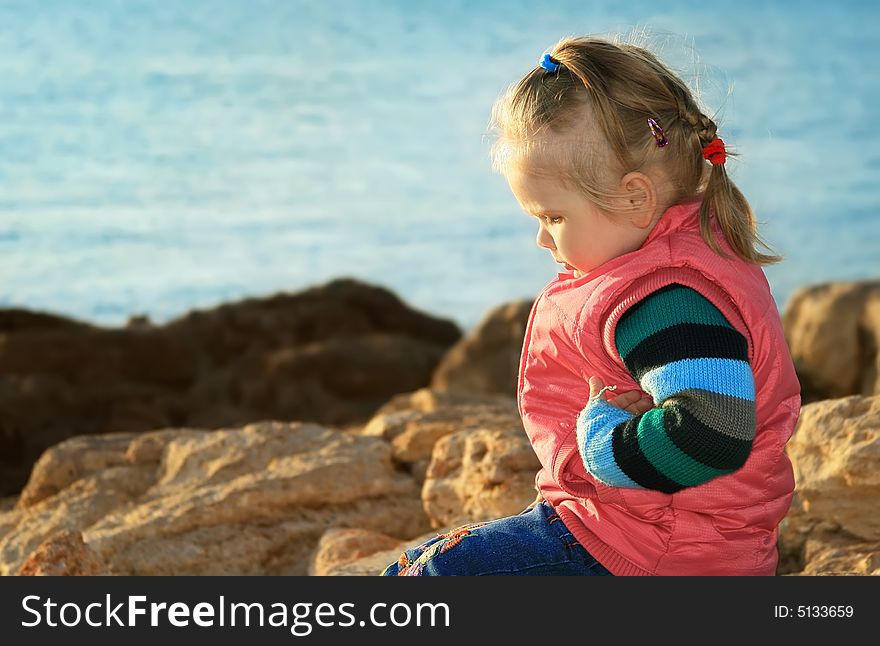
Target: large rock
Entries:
(836, 455)
(332, 354)
(832, 526)
(359, 552)
(479, 474)
(473, 455)
(487, 359)
(414, 422)
(338, 548)
(63, 554)
(253, 500)
(833, 331)
(470, 449)
(832, 552)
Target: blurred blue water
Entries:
(158, 155)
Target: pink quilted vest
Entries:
(725, 526)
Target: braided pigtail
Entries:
(722, 198)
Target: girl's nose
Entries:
(544, 239)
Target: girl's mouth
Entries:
(564, 264)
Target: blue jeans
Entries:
(534, 543)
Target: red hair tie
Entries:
(714, 152)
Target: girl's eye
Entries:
(552, 219)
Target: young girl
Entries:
(664, 302)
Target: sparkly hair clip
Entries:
(657, 133)
(549, 63)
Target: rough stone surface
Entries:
(810, 547)
(413, 422)
(331, 354)
(479, 474)
(836, 453)
(252, 500)
(830, 554)
(63, 554)
(370, 562)
(287, 498)
(487, 359)
(72, 460)
(833, 331)
(339, 547)
(481, 465)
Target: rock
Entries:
(77, 507)
(414, 422)
(794, 531)
(63, 554)
(370, 562)
(339, 547)
(481, 463)
(833, 331)
(473, 455)
(334, 381)
(835, 451)
(429, 400)
(839, 554)
(479, 474)
(825, 549)
(487, 359)
(17, 320)
(414, 433)
(332, 354)
(73, 460)
(252, 500)
(139, 322)
(832, 526)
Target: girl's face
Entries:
(574, 230)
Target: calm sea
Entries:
(157, 156)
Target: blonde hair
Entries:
(586, 125)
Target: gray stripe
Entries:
(730, 415)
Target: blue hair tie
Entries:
(548, 63)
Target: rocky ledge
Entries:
(288, 497)
(270, 358)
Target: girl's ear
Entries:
(639, 198)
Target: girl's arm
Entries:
(690, 359)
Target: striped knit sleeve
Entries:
(685, 354)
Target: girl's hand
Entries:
(633, 402)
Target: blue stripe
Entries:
(723, 376)
(595, 429)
